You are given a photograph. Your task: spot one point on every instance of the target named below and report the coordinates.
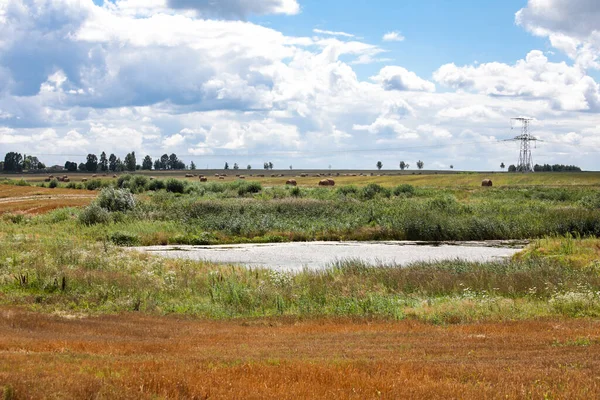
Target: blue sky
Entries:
(242, 81)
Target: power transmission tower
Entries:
(525, 163)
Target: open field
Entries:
(82, 318)
(134, 356)
(385, 177)
(36, 200)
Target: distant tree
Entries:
(147, 163)
(13, 162)
(512, 168)
(266, 165)
(291, 167)
(164, 161)
(226, 165)
(130, 161)
(157, 164)
(270, 165)
(451, 166)
(402, 165)
(407, 166)
(41, 165)
(103, 162)
(379, 165)
(112, 163)
(71, 166)
(31, 163)
(120, 165)
(249, 167)
(420, 164)
(236, 166)
(91, 165)
(502, 166)
(82, 167)
(192, 166)
(175, 163)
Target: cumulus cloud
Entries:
(393, 37)
(398, 78)
(572, 26)
(564, 87)
(150, 75)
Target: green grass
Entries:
(76, 275)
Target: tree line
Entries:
(16, 162)
(547, 168)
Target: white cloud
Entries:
(333, 33)
(572, 26)
(393, 37)
(564, 87)
(173, 141)
(398, 78)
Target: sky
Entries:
(301, 83)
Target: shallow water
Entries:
(317, 255)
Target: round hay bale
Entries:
(242, 177)
(203, 179)
(331, 182)
(114, 176)
(189, 175)
(84, 180)
(324, 182)
(94, 176)
(291, 182)
(222, 178)
(66, 180)
(487, 183)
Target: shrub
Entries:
(53, 183)
(21, 182)
(94, 214)
(124, 181)
(372, 189)
(116, 199)
(72, 185)
(175, 186)
(138, 184)
(348, 189)
(94, 184)
(296, 191)
(249, 187)
(405, 189)
(591, 201)
(124, 239)
(156, 185)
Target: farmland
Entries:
(78, 309)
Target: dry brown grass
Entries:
(136, 356)
(36, 200)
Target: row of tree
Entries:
(17, 162)
(403, 165)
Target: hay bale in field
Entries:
(242, 177)
(222, 178)
(217, 175)
(114, 176)
(66, 180)
(303, 175)
(94, 176)
(331, 182)
(51, 176)
(203, 179)
(291, 182)
(324, 182)
(189, 175)
(84, 180)
(47, 180)
(487, 183)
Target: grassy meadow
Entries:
(97, 316)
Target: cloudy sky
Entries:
(300, 83)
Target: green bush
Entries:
(249, 187)
(53, 184)
(347, 190)
(296, 191)
(405, 189)
(138, 184)
(175, 186)
(94, 184)
(156, 185)
(591, 202)
(116, 199)
(124, 181)
(94, 214)
(372, 189)
(124, 239)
